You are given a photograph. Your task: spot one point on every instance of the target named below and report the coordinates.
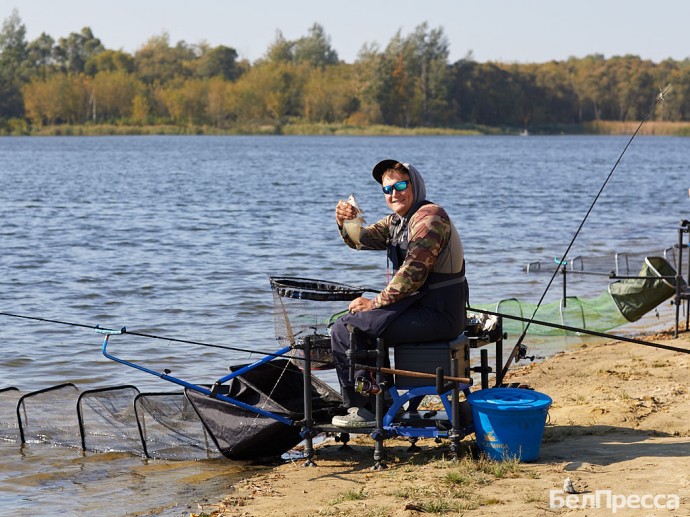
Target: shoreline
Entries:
(594, 128)
(619, 423)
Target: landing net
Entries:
(114, 419)
(303, 307)
(622, 302)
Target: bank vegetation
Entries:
(74, 85)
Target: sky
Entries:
(512, 31)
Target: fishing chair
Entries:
(436, 359)
(426, 357)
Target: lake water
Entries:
(177, 237)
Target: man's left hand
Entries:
(361, 304)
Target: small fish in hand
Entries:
(353, 227)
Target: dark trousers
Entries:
(432, 316)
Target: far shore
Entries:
(18, 127)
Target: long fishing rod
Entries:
(123, 330)
(584, 331)
(516, 348)
(140, 334)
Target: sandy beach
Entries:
(619, 428)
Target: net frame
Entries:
(41, 416)
(304, 307)
(315, 290)
(107, 422)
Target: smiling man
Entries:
(426, 296)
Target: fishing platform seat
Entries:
(425, 357)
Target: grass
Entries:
(457, 481)
(352, 494)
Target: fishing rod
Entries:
(518, 344)
(124, 330)
(583, 331)
(411, 373)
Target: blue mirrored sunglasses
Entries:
(399, 186)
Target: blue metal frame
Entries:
(198, 388)
(399, 400)
(389, 424)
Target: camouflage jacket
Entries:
(433, 246)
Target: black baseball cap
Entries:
(382, 167)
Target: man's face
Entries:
(400, 201)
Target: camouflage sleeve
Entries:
(373, 237)
(429, 230)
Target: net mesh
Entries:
(42, 416)
(276, 387)
(171, 428)
(114, 419)
(9, 426)
(303, 307)
(108, 420)
(623, 301)
(600, 313)
(619, 263)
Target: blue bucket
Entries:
(509, 422)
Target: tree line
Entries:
(408, 83)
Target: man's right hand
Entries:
(344, 210)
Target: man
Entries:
(425, 298)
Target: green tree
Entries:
(430, 61)
(461, 92)
(394, 84)
(280, 50)
(72, 53)
(411, 78)
(487, 93)
(315, 48)
(110, 61)
(40, 55)
(675, 105)
(13, 53)
(158, 62)
(550, 97)
(368, 83)
(219, 61)
(13, 46)
(600, 87)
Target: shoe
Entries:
(356, 417)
